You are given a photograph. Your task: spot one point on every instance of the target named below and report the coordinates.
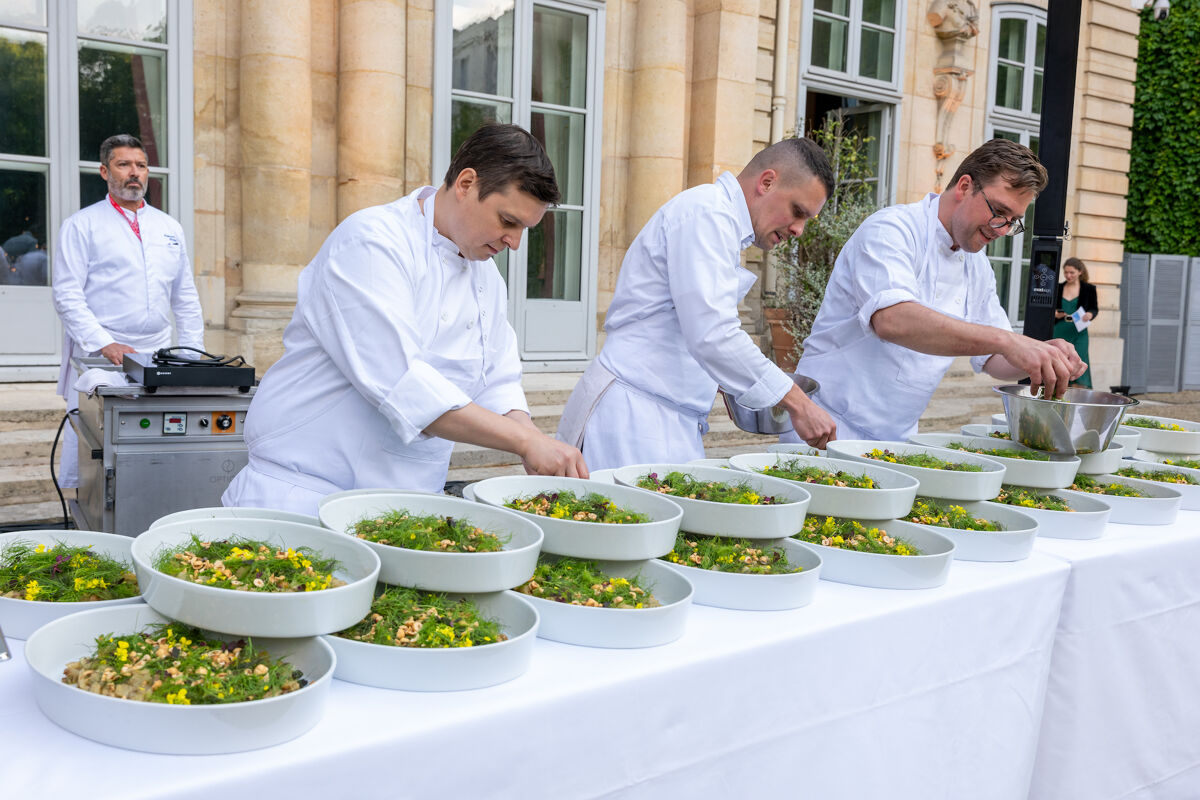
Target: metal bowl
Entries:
(1083, 421)
(774, 420)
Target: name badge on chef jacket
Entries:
(172, 239)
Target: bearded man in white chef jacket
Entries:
(673, 330)
(912, 289)
(120, 272)
(399, 345)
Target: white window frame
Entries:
(836, 82)
(522, 108)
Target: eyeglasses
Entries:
(998, 220)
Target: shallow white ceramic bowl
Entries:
(882, 571)
(602, 475)
(173, 729)
(774, 521)
(1103, 462)
(1056, 473)
(448, 669)
(616, 627)
(1151, 457)
(982, 429)
(234, 512)
(709, 462)
(758, 592)
(892, 496)
(1160, 508)
(1014, 543)
(19, 618)
(1189, 492)
(1186, 441)
(1087, 521)
(941, 483)
(797, 449)
(442, 572)
(281, 614)
(568, 537)
(1129, 438)
(1000, 419)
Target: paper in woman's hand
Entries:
(1080, 322)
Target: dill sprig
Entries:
(1160, 475)
(850, 534)
(592, 507)
(402, 617)
(63, 573)
(921, 460)
(794, 470)
(1086, 483)
(582, 583)
(931, 512)
(1000, 452)
(1027, 498)
(680, 484)
(1152, 424)
(247, 565)
(725, 554)
(400, 528)
(1189, 463)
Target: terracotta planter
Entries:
(782, 342)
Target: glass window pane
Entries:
(22, 228)
(880, 12)
(559, 57)
(122, 90)
(561, 133)
(1039, 53)
(1012, 136)
(22, 92)
(1000, 248)
(875, 57)
(1021, 294)
(1012, 40)
(468, 116)
(1002, 268)
(869, 126)
(839, 7)
(1034, 141)
(144, 20)
(501, 260)
(555, 256)
(23, 12)
(829, 43)
(482, 58)
(92, 189)
(1009, 81)
(1037, 91)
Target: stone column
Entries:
(371, 103)
(276, 150)
(723, 88)
(658, 111)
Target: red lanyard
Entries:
(133, 223)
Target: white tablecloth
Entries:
(1122, 717)
(931, 695)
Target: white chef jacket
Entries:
(392, 329)
(110, 286)
(673, 335)
(876, 389)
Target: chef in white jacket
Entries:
(673, 330)
(121, 270)
(912, 289)
(399, 345)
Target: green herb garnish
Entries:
(1001, 435)
(249, 566)
(1027, 498)
(1160, 475)
(849, 534)
(1000, 452)
(1152, 424)
(680, 484)
(582, 583)
(63, 573)
(592, 507)
(175, 664)
(921, 460)
(402, 617)
(399, 528)
(724, 554)
(1187, 463)
(1086, 483)
(930, 512)
(794, 471)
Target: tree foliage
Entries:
(1164, 173)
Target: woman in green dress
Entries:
(1074, 293)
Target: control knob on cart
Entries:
(224, 422)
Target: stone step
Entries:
(26, 483)
(28, 446)
(30, 405)
(45, 514)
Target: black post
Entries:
(1054, 151)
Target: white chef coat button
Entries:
(470, 324)
(445, 317)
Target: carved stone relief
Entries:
(955, 22)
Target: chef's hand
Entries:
(546, 456)
(809, 420)
(115, 352)
(1050, 364)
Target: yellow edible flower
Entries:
(41, 548)
(32, 590)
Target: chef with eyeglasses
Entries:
(912, 289)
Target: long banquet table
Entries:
(864, 693)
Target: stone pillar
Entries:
(276, 149)
(371, 103)
(658, 111)
(418, 134)
(723, 88)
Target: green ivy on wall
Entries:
(1164, 173)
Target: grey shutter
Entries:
(1135, 312)
(1168, 284)
(1191, 337)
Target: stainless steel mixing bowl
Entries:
(1083, 421)
(774, 420)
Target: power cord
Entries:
(53, 475)
(172, 356)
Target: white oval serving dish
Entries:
(279, 614)
(596, 540)
(941, 483)
(1087, 521)
(435, 571)
(720, 463)
(1186, 441)
(446, 669)
(1189, 492)
(1056, 473)
(774, 521)
(982, 429)
(1160, 508)
(621, 627)
(1128, 438)
(757, 592)
(884, 571)
(163, 728)
(1151, 457)
(236, 512)
(892, 496)
(1089, 463)
(795, 449)
(1014, 543)
(19, 618)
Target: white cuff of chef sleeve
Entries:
(884, 299)
(96, 340)
(768, 391)
(420, 397)
(503, 398)
(977, 362)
